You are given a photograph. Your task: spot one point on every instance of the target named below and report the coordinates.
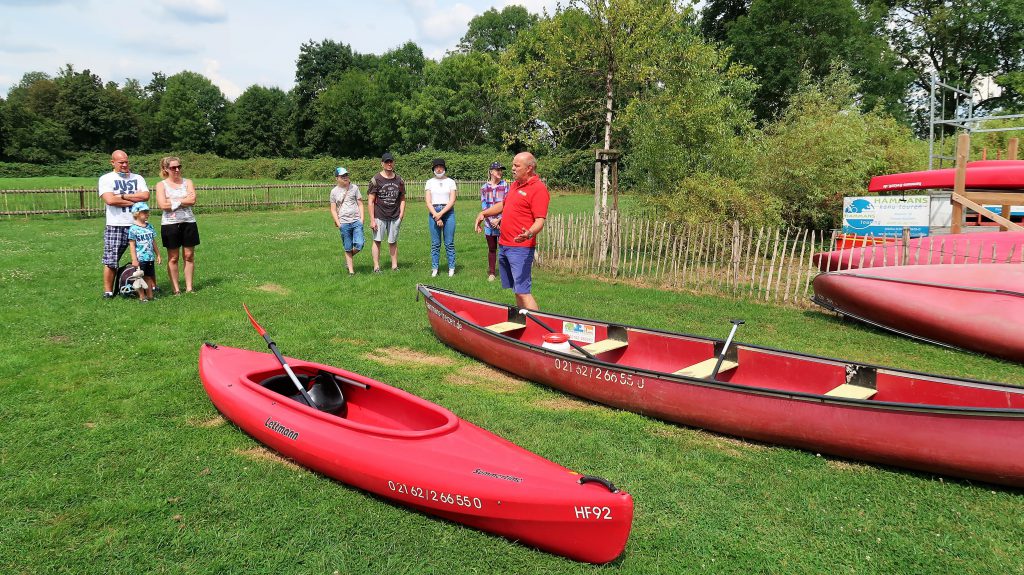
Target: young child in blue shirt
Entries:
(142, 243)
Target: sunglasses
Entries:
(176, 168)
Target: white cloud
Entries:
(211, 69)
(195, 11)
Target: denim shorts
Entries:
(352, 236)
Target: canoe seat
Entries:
(703, 369)
(604, 345)
(850, 391)
(506, 326)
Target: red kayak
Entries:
(401, 447)
(979, 307)
(958, 427)
(1006, 175)
(983, 247)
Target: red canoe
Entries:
(979, 307)
(983, 247)
(944, 425)
(986, 176)
(406, 449)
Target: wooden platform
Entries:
(703, 369)
(505, 327)
(604, 345)
(852, 392)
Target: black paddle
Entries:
(736, 323)
(280, 358)
(545, 326)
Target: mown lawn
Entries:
(114, 461)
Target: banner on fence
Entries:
(888, 215)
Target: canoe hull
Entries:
(933, 307)
(440, 465)
(1002, 176)
(987, 446)
(984, 247)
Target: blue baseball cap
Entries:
(339, 171)
(140, 207)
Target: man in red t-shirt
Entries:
(522, 217)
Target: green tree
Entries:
(97, 117)
(191, 112)
(717, 15)
(318, 66)
(783, 38)
(458, 106)
(33, 132)
(259, 124)
(398, 75)
(961, 42)
(492, 32)
(340, 129)
(822, 148)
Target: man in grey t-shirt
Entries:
(346, 205)
(387, 209)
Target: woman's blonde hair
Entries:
(164, 172)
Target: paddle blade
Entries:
(255, 324)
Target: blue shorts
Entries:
(352, 236)
(515, 265)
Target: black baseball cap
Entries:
(437, 162)
(387, 157)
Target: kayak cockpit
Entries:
(370, 407)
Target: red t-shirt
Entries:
(523, 204)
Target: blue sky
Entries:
(235, 43)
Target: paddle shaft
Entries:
(728, 341)
(545, 326)
(280, 358)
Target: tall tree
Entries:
(191, 112)
(319, 65)
(961, 42)
(341, 125)
(398, 74)
(587, 60)
(717, 15)
(33, 132)
(97, 117)
(259, 124)
(492, 32)
(782, 38)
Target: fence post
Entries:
(906, 245)
(735, 268)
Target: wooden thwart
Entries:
(505, 327)
(703, 369)
(850, 391)
(603, 346)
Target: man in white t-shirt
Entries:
(120, 190)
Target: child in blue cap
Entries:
(142, 243)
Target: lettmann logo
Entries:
(511, 478)
(278, 428)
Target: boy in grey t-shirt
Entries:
(346, 205)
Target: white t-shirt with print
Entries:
(121, 185)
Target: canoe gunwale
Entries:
(996, 412)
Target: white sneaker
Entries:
(451, 272)
(490, 277)
(433, 273)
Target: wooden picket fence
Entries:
(768, 264)
(85, 202)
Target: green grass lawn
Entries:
(114, 461)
